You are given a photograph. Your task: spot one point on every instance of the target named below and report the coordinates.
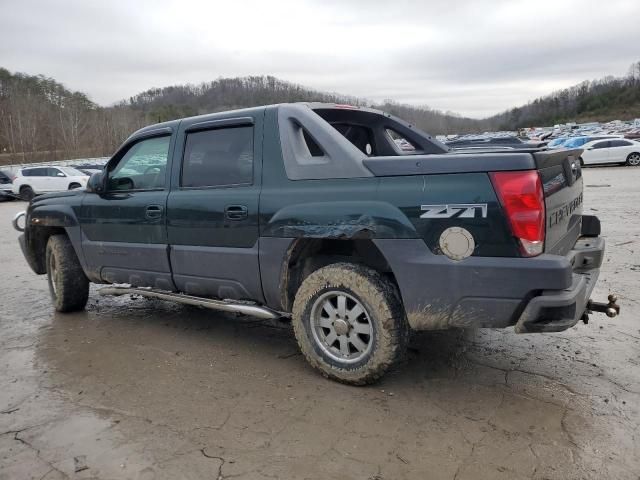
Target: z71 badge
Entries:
(454, 210)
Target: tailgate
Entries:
(561, 177)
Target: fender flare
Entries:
(43, 221)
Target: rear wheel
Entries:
(349, 323)
(633, 160)
(581, 162)
(27, 193)
(68, 285)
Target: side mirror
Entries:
(96, 183)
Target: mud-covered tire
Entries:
(27, 193)
(383, 310)
(68, 285)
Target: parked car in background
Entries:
(511, 142)
(89, 169)
(557, 142)
(578, 142)
(617, 150)
(633, 134)
(6, 185)
(33, 181)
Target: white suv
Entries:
(35, 180)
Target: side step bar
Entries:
(223, 305)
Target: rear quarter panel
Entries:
(414, 195)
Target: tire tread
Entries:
(383, 298)
(73, 284)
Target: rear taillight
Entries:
(522, 198)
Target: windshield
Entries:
(557, 142)
(72, 172)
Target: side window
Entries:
(218, 157)
(620, 143)
(601, 145)
(36, 172)
(54, 172)
(402, 143)
(143, 166)
(26, 173)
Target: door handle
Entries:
(153, 212)
(236, 212)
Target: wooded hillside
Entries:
(41, 120)
(603, 100)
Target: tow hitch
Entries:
(611, 309)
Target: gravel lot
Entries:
(141, 389)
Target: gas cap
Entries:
(457, 243)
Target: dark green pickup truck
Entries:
(352, 222)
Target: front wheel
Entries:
(349, 323)
(74, 185)
(68, 285)
(633, 160)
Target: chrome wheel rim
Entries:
(53, 274)
(634, 160)
(341, 327)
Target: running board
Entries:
(223, 305)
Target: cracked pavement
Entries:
(145, 389)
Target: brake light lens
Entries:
(522, 199)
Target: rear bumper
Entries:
(555, 311)
(548, 293)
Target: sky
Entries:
(475, 58)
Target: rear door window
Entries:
(220, 157)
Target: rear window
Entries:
(402, 143)
(218, 157)
(360, 136)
